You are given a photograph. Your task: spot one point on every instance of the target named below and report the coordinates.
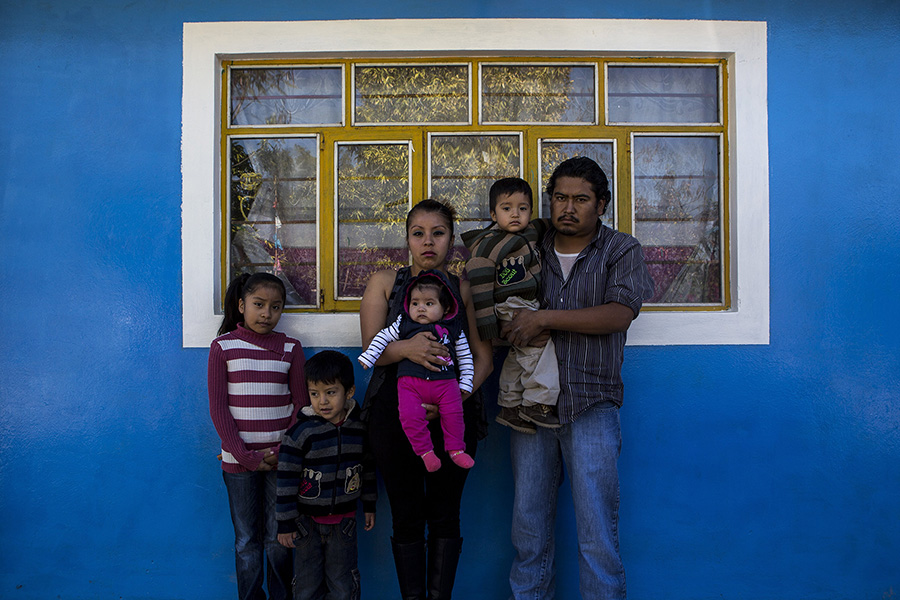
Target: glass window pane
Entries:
(272, 212)
(677, 216)
(555, 152)
(663, 94)
(301, 96)
(463, 168)
(373, 199)
(412, 94)
(538, 94)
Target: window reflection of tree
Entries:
(373, 199)
(273, 194)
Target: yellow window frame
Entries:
(329, 135)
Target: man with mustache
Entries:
(594, 283)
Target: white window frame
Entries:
(742, 43)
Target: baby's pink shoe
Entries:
(432, 462)
(462, 459)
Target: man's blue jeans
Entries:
(590, 449)
(325, 560)
(251, 497)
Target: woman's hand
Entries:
(431, 412)
(424, 349)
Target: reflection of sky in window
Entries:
(677, 215)
(286, 96)
(676, 178)
(581, 90)
(663, 94)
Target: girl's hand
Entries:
(370, 522)
(286, 539)
(271, 457)
(269, 461)
(424, 349)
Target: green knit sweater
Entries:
(502, 265)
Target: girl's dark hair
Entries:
(430, 282)
(329, 366)
(584, 168)
(429, 205)
(240, 287)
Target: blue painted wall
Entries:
(747, 472)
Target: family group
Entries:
(300, 454)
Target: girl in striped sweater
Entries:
(256, 387)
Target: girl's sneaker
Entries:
(461, 459)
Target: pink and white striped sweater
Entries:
(256, 387)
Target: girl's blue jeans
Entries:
(251, 497)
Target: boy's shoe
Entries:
(541, 415)
(510, 417)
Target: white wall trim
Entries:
(742, 42)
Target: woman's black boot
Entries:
(443, 558)
(410, 562)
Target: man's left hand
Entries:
(526, 329)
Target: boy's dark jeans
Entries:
(325, 560)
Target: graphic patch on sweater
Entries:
(353, 479)
(512, 270)
(310, 484)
